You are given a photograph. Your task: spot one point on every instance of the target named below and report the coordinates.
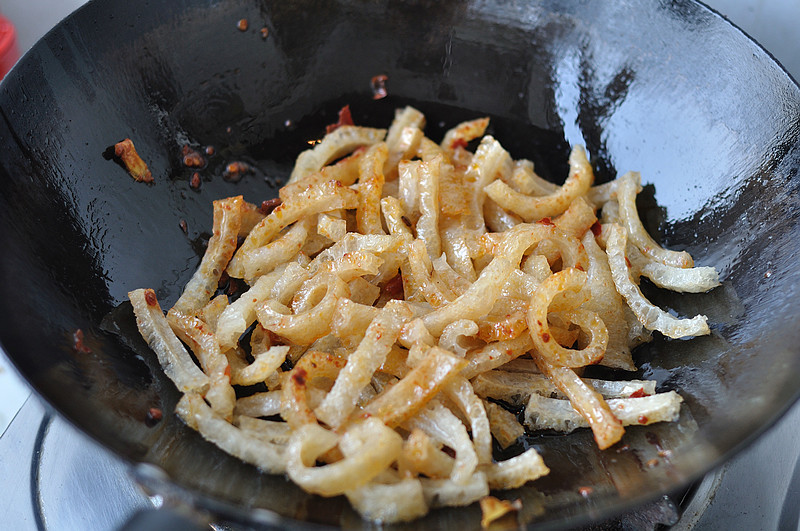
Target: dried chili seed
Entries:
(150, 297)
(242, 24)
(195, 182)
(264, 32)
(210, 150)
(191, 158)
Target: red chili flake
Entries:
(345, 118)
(545, 337)
(585, 491)
(579, 267)
(77, 342)
(596, 228)
(195, 181)
(458, 143)
(264, 32)
(299, 376)
(242, 24)
(546, 221)
(191, 158)
(228, 371)
(210, 150)
(150, 297)
(184, 226)
(639, 393)
(628, 262)
(235, 170)
(642, 419)
(153, 416)
(379, 87)
(394, 288)
(651, 463)
(269, 205)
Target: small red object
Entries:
(9, 52)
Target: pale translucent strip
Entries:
(264, 404)
(496, 354)
(173, 357)
(327, 196)
(221, 246)
(250, 448)
(195, 333)
(334, 145)
(441, 424)
(450, 493)
(608, 304)
(389, 503)
(267, 258)
(428, 222)
(649, 315)
(503, 424)
(370, 190)
(627, 188)
(531, 208)
(515, 472)
(460, 392)
(361, 364)
(454, 336)
(559, 415)
(369, 447)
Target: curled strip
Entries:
(651, 316)
(627, 188)
(369, 448)
(535, 208)
(548, 347)
(335, 144)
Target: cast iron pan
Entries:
(666, 88)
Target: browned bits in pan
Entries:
(192, 158)
(184, 227)
(126, 152)
(235, 170)
(379, 87)
(210, 150)
(242, 24)
(264, 32)
(195, 181)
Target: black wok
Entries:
(667, 88)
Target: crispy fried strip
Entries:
(503, 424)
(330, 195)
(417, 388)
(260, 404)
(334, 145)
(606, 427)
(249, 448)
(535, 208)
(361, 364)
(369, 448)
(560, 415)
(345, 171)
(648, 314)
(515, 472)
(295, 408)
(268, 257)
(221, 246)
(389, 503)
(203, 343)
(627, 188)
(370, 190)
(172, 355)
(460, 392)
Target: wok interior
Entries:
(654, 88)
